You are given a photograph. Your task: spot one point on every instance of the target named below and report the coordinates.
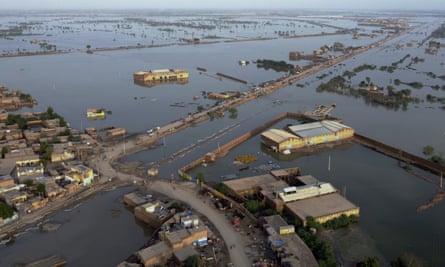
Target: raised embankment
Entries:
(400, 154)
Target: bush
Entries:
(252, 205)
(428, 150)
(5, 210)
(369, 262)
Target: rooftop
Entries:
(320, 206)
(317, 128)
(153, 251)
(277, 135)
(249, 182)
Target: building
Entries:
(152, 213)
(116, 132)
(161, 75)
(80, 174)
(282, 237)
(294, 193)
(28, 168)
(6, 180)
(322, 208)
(155, 254)
(304, 135)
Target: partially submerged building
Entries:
(304, 135)
(161, 75)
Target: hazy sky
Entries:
(233, 4)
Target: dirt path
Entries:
(187, 193)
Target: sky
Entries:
(231, 4)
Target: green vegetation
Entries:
(200, 108)
(439, 159)
(368, 262)
(48, 115)
(177, 206)
(233, 113)
(407, 260)
(349, 74)
(416, 85)
(428, 150)
(200, 177)
(166, 30)
(45, 152)
(194, 261)
(279, 66)
(16, 119)
(4, 151)
(222, 189)
(364, 67)
(5, 210)
(253, 205)
(322, 251)
(340, 222)
(29, 183)
(40, 189)
(332, 85)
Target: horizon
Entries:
(371, 5)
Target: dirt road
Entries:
(187, 193)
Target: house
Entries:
(14, 197)
(3, 115)
(80, 174)
(28, 167)
(61, 152)
(6, 180)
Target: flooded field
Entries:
(72, 82)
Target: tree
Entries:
(29, 183)
(252, 205)
(5, 210)
(369, 262)
(200, 177)
(4, 151)
(233, 113)
(193, 261)
(41, 189)
(428, 150)
(368, 80)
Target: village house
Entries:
(80, 174)
(62, 152)
(28, 168)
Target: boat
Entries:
(286, 152)
(95, 113)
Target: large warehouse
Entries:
(307, 134)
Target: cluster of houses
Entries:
(29, 181)
(181, 233)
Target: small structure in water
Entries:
(93, 113)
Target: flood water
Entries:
(387, 196)
(89, 232)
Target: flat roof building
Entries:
(304, 135)
(322, 208)
(154, 254)
(297, 252)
